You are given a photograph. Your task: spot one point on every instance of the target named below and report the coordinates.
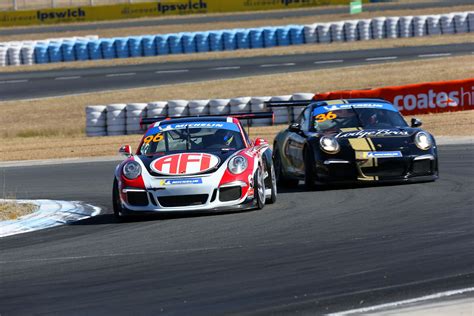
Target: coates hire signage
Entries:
(147, 9)
(422, 98)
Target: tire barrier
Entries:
(124, 119)
(93, 48)
(53, 50)
(364, 30)
(198, 107)
(96, 120)
(116, 119)
(423, 98)
(134, 113)
(178, 108)
(281, 115)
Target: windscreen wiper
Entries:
(358, 117)
(188, 138)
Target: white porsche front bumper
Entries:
(186, 194)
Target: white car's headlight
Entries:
(329, 145)
(132, 170)
(423, 141)
(237, 164)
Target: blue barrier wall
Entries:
(94, 50)
(81, 51)
(232, 39)
(164, 44)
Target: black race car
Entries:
(356, 140)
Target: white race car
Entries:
(195, 164)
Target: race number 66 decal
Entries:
(325, 116)
(153, 138)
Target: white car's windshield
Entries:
(201, 136)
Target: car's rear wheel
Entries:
(259, 187)
(309, 170)
(116, 203)
(281, 180)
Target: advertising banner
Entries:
(423, 98)
(150, 9)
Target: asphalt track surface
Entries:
(232, 18)
(26, 85)
(310, 253)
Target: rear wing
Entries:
(277, 104)
(239, 116)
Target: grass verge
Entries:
(14, 210)
(54, 127)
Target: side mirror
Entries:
(125, 151)
(294, 127)
(416, 122)
(260, 142)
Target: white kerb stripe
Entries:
(404, 302)
(171, 71)
(13, 81)
(329, 61)
(121, 74)
(381, 58)
(67, 78)
(226, 68)
(278, 65)
(434, 55)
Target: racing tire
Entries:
(273, 186)
(281, 180)
(309, 171)
(118, 209)
(259, 189)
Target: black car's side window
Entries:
(304, 120)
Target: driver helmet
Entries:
(224, 136)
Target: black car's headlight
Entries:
(237, 164)
(423, 141)
(329, 145)
(132, 170)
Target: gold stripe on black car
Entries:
(362, 146)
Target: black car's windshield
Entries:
(200, 136)
(365, 115)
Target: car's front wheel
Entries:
(116, 203)
(272, 184)
(259, 188)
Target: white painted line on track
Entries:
(375, 308)
(171, 71)
(67, 78)
(122, 74)
(226, 68)
(329, 61)
(434, 55)
(278, 65)
(13, 81)
(381, 58)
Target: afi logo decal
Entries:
(184, 164)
